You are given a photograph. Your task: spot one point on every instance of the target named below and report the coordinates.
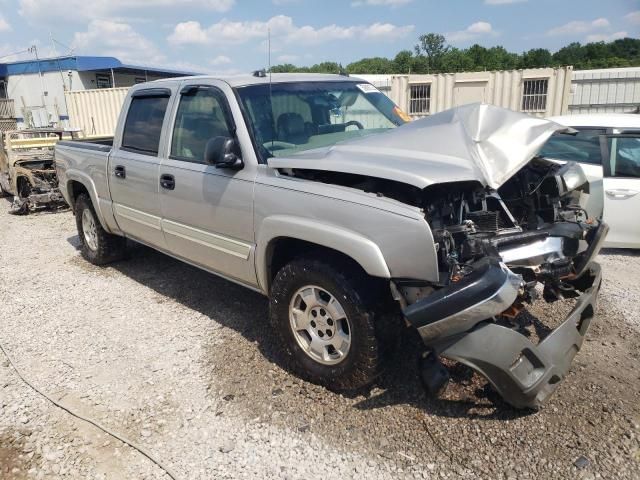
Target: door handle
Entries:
(120, 172)
(621, 193)
(167, 181)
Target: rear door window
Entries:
(582, 147)
(624, 157)
(143, 126)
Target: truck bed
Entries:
(102, 144)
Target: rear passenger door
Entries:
(622, 190)
(133, 167)
(207, 212)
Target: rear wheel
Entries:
(97, 246)
(325, 324)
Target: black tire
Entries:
(361, 365)
(110, 248)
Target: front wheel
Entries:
(97, 246)
(326, 326)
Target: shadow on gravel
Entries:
(468, 395)
(246, 312)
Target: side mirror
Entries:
(223, 152)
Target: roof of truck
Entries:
(244, 80)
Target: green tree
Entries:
(536, 58)
(284, 68)
(572, 54)
(403, 62)
(433, 46)
(433, 55)
(325, 67)
(456, 60)
(379, 65)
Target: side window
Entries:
(144, 124)
(200, 117)
(582, 147)
(624, 156)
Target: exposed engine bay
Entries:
(36, 186)
(535, 222)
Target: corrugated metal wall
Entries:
(501, 88)
(95, 111)
(614, 90)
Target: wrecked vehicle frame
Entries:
(27, 169)
(451, 221)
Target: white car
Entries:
(608, 148)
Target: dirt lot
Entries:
(185, 364)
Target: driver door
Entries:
(207, 212)
(621, 184)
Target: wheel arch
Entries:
(282, 238)
(77, 185)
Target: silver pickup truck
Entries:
(317, 191)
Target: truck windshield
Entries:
(287, 118)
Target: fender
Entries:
(103, 207)
(365, 252)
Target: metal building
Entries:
(539, 91)
(611, 90)
(95, 112)
(32, 91)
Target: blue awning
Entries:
(80, 64)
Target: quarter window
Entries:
(420, 99)
(200, 117)
(534, 95)
(144, 124)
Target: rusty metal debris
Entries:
(27, 169)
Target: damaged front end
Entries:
(496, 250)
(36, 187)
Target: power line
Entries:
(28, 50)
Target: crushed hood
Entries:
(472, 142)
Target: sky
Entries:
(230, 36)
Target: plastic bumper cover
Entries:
(525, 374)
(487, 291)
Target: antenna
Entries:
(273, 120)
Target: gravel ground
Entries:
(184, 364)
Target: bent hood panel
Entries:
(472, 142)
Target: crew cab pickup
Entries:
(317, 191)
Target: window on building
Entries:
(144, 124)
(534, 95)
(140, 80)
(420, 99)
(103, 80)
(200, 117)
(3, 89)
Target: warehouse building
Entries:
(32, 92)
(542, 92)
(610, 90)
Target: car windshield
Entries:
(287, 118)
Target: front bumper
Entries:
(525, 374)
